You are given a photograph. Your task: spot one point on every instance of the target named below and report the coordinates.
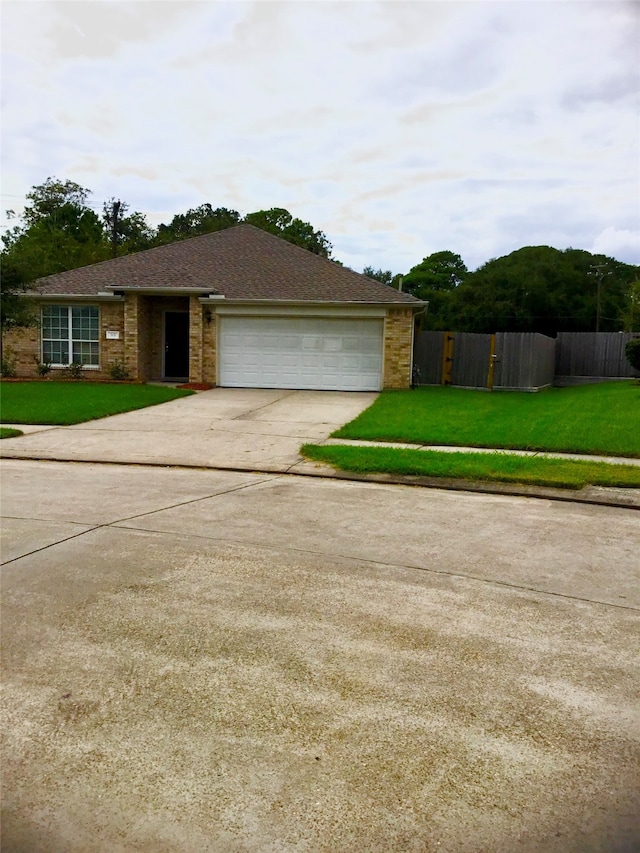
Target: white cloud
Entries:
(621, 244)
(399, 128)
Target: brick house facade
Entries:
(197, 310)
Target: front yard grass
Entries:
(65, 403)
(603, 418)
(5, 432)
(496, 467)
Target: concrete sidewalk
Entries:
(261, 430)
(448, 448)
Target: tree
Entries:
(632, 352)
(280, 222)
(631, 313)
(51, 197)
(195, 222)
(16, 310)
(58, 231)
(435, 280)
(385, 276)
(130, 233)
(542, 289)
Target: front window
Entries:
(70, 335)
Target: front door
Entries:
(176, 345)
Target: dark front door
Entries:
(176, 345)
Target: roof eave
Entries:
(92, 297)
(316, 302)
(160, 291)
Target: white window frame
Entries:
(70, 340)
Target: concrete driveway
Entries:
(222, 428)
(226, 661)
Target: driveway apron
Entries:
(223, 428)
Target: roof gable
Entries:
(240, 263)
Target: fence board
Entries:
(525, 361)
(598, 355)
(471, 353)
(427, 357)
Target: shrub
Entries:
(632, 352)
(118, 371)
(43, 368)
(74, 371)
(8, 364)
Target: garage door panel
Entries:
(301, 352)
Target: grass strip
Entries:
(6, 432)
(494, 467)
(603, 418)
(64, 403)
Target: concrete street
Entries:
(202, 660)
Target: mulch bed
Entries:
(197, 386)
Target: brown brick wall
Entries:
(140, 323)
(209, 342)
(131, 334)
(25, 344)
(195, 339)
(111, 319)
(398, 326)
(21, 347)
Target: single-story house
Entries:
(238, 307)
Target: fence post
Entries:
(447, 358)
(492, 362)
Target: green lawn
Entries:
(9, 433)
(502, 467)
(602, 418)
(64, 403)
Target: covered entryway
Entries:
(176, 345)
(315, 353)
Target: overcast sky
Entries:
(397, 128)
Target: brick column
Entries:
(195, 340)
(131, 338)
(398, 341)
(209, 336)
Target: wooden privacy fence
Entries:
(591, 356)
(518, 361)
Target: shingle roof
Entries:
(241, 262)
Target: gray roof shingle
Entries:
(241, 262)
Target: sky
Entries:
(397, 128)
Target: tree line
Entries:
(533, 289)
(536, 288)
(59, 230)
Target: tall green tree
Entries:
(197, 221)
(16, 309)
(435, 280)
(280, 222)
(542, 289)
(126, 232)
(631, 312)
(57, 231)
(385, 276)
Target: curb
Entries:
(589, 495)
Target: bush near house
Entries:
(632, 352)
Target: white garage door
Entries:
(301, 352)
